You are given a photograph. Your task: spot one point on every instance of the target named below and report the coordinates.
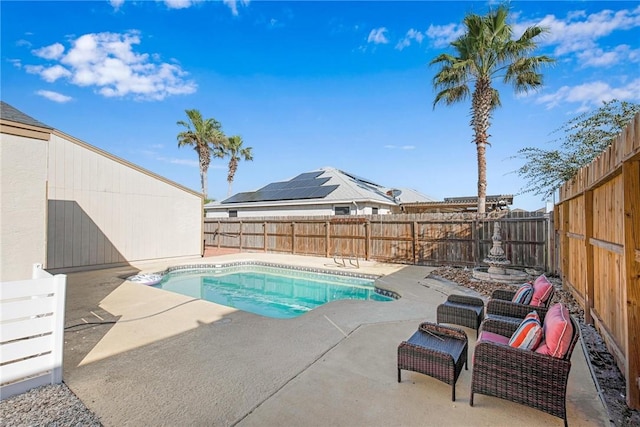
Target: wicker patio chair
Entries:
(461, 310)
(501, 307)
(521, 376)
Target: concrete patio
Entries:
(168, 359)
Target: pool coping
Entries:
(210, 266)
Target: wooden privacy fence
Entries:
(424, 239)
(31, 332)
(598, 228)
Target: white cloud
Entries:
(175, 161)
(178, 4)
(51, 74)
(411, 35)
(23, 42)
(116, 3)
(377, 36)
(233, 5)
(579, 32)
(443, 35)
(54, 96)
(16, 62)
(53, 51)
(108, 62)
(592, 94)
(599, 58)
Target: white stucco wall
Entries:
(294, 210)
(23, 203)
(103, 211)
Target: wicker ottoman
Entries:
(462, 310)
(437, 351)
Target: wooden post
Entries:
(414, 246)
(367, 239)
(631, 179)
(264, 230)
(240, 242)
(476, 241)
(219, 235)
(588, 247)
(327, 238)
(293, 238)
(564, 240)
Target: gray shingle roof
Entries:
(341, 187)
(8, 112)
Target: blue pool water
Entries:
(269, 291)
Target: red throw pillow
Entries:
(558, 332)
(542, 291)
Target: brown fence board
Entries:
(599, 234)
(425, 239)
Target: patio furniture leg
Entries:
(471, 399)
(399, 375)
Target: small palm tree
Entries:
(203, 135)
(485, 51)
(236, 152)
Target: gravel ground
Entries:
(609, 379)
(51, 406)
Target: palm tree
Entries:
(234, 150)
(485, 51)
(204, 135)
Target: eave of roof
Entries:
(8, 112)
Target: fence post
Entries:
(327, 238)
(240, 238)
(367, 239)
(476, 241)
(264, 238)
(414, 246)
(219, 234)
(631, 230)
(588, 248)
(60, 285)
(293, 238)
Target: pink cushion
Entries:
(542, 291)
(558, 331)
(492, 337)
(529, 333)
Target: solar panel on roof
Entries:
(358, 178)
(304, 186)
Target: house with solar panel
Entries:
(326, 191)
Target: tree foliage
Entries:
(487, 51)
(203, 135)
(235, 151)
(585, 137)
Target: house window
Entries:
(233, 214)
(342, 210)
(374, 211)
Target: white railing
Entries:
(31, 332)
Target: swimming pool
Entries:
(270, 290)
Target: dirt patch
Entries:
(607, 375)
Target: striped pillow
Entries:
(529, 333)
(523, 294)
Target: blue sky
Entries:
(306, 84)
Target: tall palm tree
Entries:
(236, 152)
(486, 51)
(203, 135)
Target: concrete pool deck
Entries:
(157, 358)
